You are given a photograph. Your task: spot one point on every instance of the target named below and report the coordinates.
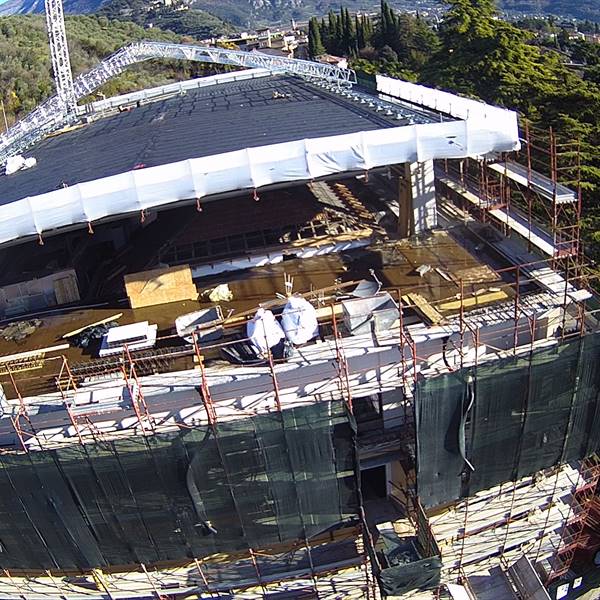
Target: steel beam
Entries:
(54, 112)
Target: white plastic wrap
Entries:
(264, 331)
(483, 129)
(18, 163)
(299, 321)
(487, 125)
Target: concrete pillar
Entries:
(404, 201)
(416, 198)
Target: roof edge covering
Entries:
(482, 117)
(248, 169)
(180, 87)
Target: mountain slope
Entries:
(12, 7)
(252, 12)
(26, 73)
(246, 13)
(193, 22)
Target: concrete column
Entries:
(417, 199)
(404, 201)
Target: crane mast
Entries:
(59, 52)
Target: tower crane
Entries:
(59, 53)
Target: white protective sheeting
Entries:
(181, 87)
(264, 331)
(299, 320)
(487, 125)
(18, 163)
(484, 129)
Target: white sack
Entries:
(264, 331)
(299, 320)
(14, 164)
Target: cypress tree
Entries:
(348, 42)
(324, 31)
(315, 45)
(337, 35)
(360, 33)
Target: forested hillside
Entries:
(248, 13)
(194, 22)
(25, 69)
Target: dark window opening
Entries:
(373, 483)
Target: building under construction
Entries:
(274, 334)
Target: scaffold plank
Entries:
(541, 184)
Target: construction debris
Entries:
(221, 293)
(20, 330)
(91, 334)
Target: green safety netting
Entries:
(249, 483)
(503, 420)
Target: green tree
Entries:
(482, 56)
(315, 45)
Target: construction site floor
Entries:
(394, 263)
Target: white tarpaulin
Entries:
(264, 331)
(299, 320)
(488, 125)
(483, 129)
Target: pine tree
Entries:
(487, 57)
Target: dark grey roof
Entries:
(204, 122)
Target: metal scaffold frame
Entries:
(134, 387)
(573, 536)
(52, 115)
(342, 365)
(530, 197)
(21, 421)
(67, 384)
(59, 52)
(535, 186)
(563, 159)
(560, 163)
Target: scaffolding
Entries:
(553, 188)
(538, 195)
(574, 534)
(518, 322)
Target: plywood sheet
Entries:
(66, 289)
(160, 286)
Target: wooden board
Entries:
(23, 364)
(160, 286)
(420, 304)
(27, 361)
(474, 301)
(66, 289)
(32, 353)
